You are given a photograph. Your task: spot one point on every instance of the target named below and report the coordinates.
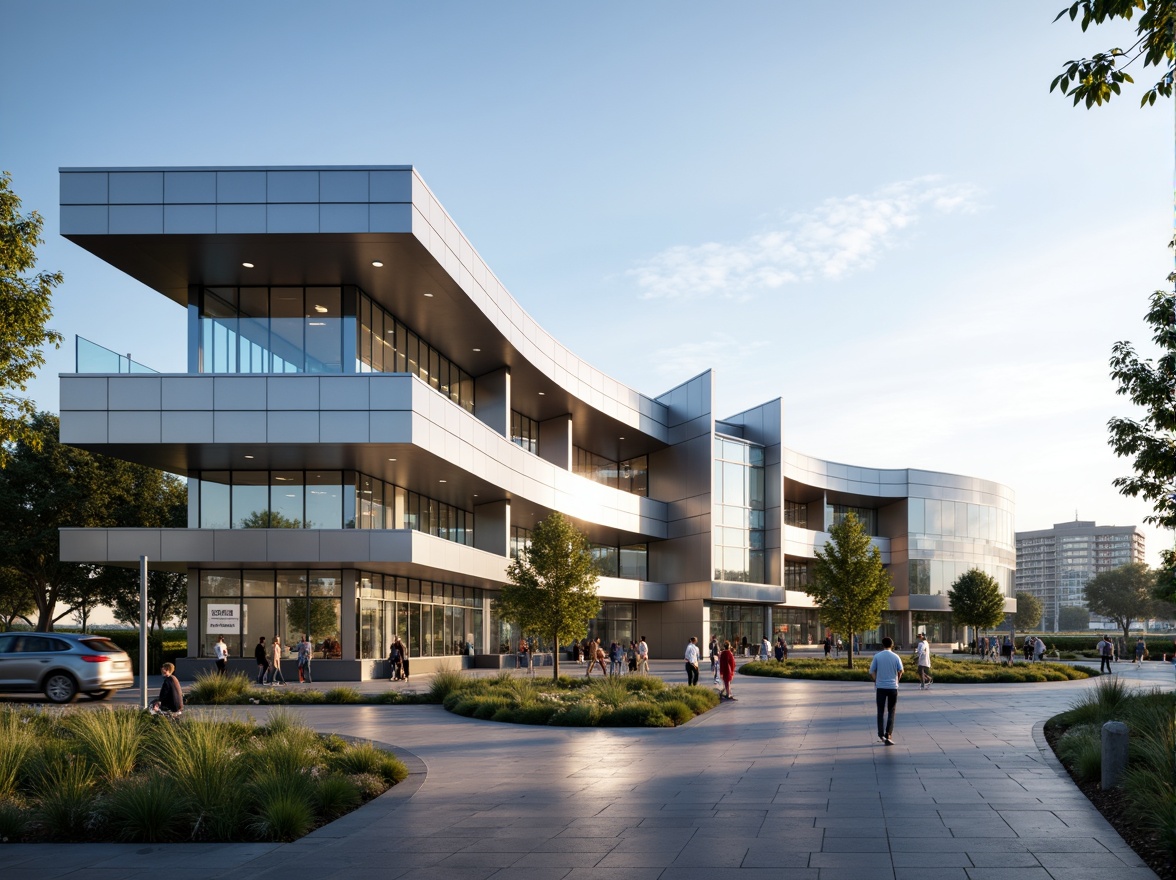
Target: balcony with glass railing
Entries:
(90, 357)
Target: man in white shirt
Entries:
(923, 649)
(885, 671)
(221, 651)
(643, 656)
(692, 657)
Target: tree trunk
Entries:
(849, 650)
(555, 657)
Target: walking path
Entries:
(789, 780)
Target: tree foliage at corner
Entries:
(1095, 80)
(1073, 618)
(1029, 610)
(24, 310)
(1123, 594)
(849, 582)
(47, 486)
(552, 589)
(1150, 441)
(976, 600)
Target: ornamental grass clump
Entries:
(16, 743)
(212, 688)
(444, 683)
(108, 740)
(147, 809)
(64, 798)
(207, 769)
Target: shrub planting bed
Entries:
(1143, 808)
(627, 701)
(944, 670)
(123, 775)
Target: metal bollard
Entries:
(1114, 753)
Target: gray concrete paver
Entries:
(790, 777)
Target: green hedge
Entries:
(1157, 645)
(943, 670)
(165, 648)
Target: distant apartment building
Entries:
(1055, 564)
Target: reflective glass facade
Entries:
(318, 500)
(268, 603)
(524, 432)
(631, 475)
(739, 511)
(433, 619)
(947, 538)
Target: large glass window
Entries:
(631, 475)
(524, 432)
(386, 345)
(739, 511)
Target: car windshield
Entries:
(104, 646)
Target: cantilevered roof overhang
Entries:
(174, 228)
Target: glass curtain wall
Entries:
(617, 622)
(274, 329)
(320, 500)
(386, 345)
(266, 603)
(317, 329)
(630, 561)
(739, 624)
(524, 432)
(433, 619)
(739, 511)
(799, 626)
(947, 538)
(631, 475)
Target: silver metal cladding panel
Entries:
(86, 188)
(344, 186)
(136, 219)
(240, 219)
(189, 187)
(240, 186)
(292, 186)
(136, 187)
(189, 219)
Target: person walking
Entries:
(765, 648)
(305, 655)
(275, 672)
(1106, 650)
(885, 671)
(1038, 649)
(1006, 651)
(259, 654)
(616, 659)
(713, 650)
(923, 652)
(595, 658)
(828, 646)
(1140, 650)
(643, 656)
(221, 652)
(692, 658)
(781, 651)
(396, 660)
(631, 657)
(726, 670)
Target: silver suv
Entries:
(62, 665)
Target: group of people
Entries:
(633, 659)
(269, 660)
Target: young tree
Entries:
(976, 600)
(1123, 594)
(552, 587)
(1095, 80)
(24, 311)
(849, 582)
(1028, 611)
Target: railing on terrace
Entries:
(94, 358)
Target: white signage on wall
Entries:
(224, 620)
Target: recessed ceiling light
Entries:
(391, 459)
(377, 264)
(249, 456)
(542, 393)
(322, 310)
(620, 438)
(429, 295)
(247, 265)
(477, 349)
(475, 494)
(443, 481)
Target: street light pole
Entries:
(142, 632)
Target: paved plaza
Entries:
(790, 780)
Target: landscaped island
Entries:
(124, 775)
(943, 670)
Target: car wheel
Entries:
(61, 688)
(100, 695)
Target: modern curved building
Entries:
(370, 426)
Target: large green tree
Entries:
(552, 588)
(1095, 80)
(976, 600)
(24, 311)
(1123, 594)
(47, 486)
(849, 582)
(16, 599)
(1028, 612)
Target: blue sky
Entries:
(874, 211)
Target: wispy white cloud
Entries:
(837, 238)
(691, 358)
